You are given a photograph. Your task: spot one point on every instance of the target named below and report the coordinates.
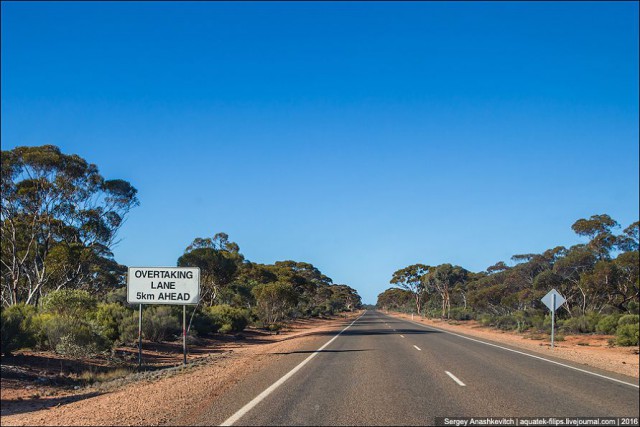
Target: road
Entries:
(382, 370)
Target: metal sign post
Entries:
(553, 300)
(184, 334)
(140, 337)
(553, 318)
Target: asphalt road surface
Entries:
(387, 371)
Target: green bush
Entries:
(627, 335)
(581, 324)
(225, 329)
(202, 324)
(159, 324)
(507, 323)
(460, 313)
(67, 335)
(608, 324)
(16, 328)
(128, 328)
(541, 322)
(69, 302)
(275, 327)
(227, 318)
(486, 320)
(627, 332)
(629, 319)
(109, 317)
(118, 295)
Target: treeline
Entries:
(63, 290)
(599, 280)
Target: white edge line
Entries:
(417, 348)
(246, 408)
(453, 377)
(527, 354)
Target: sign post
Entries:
(140, 337)
(553, 300)
(184, 334)
(163, 285)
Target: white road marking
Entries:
(453, 377)
(402, 336)
(246, 408)
(417, 348)
(527, 354)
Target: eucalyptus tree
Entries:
(410, 279)
(443, 279)
(307, 280)
(599, 230)
(59, 220)
(395, 299)
(275, 300)
(344, 297)
(219, 261)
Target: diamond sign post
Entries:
(553, 300)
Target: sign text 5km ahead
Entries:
(163, 285)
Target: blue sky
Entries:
(360, 137)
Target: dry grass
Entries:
(91, 377)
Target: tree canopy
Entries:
(60, 218)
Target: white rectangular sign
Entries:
(163, 285)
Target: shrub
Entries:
(225, 329)
(39, 330)
(70, 346)
(65, 335)
(230, 318)
(541, 322)
(16, 330)
(608, 324)
(507, 323)
(158, 324)
(629, 319)
(118, 295)
(69, 302)
(202, 324)
(128, 329)
(275, 327)
(486, 320)
(108, 318)
(459, 313)
(627, 334)
(581, 324)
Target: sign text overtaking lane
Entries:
(163, 285)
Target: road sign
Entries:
(549, 300)
(553, 300)
(163, 285)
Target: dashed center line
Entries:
(417, 348)
(453, 377)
